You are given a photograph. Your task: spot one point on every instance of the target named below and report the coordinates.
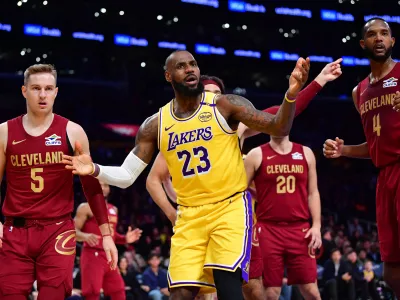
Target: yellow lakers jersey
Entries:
(202, 154)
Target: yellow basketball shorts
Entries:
(212, 236)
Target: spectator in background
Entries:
(155, 279)
(360, 285)
(355, 226)
(374, 253)
(132, 286)
(362, 256)
(336, 278)
(369, 278)
(135, 261)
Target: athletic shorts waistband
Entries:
(25, 222)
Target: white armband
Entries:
(125, 175)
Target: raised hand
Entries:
(80, 164)
(298, 77)
(333, 148)
(330, 72)
(133, 235)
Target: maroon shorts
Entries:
(388, 211)
(96, 274)
(283, 244)
(43, 251)
(256, 261)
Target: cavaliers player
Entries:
(285, 177)
(377, 99)
(95, 272)
(38, 241)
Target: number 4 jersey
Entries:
(381, 123)
(282, 186)
(202, 154)
(38, 185)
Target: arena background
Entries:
(110, 56)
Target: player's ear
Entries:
(167, 76)
(23, 89)
(56, 91)
(362, 44)
(393, 41)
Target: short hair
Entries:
(152, 255)
(217, 80)
(334, 250)
(365, 28)
(169, 58)
(39, 68)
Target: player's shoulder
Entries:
(74, 128)
(3, 128)
(4, 133)
(255, 151)
(254, 155)
(149, 126)
(308, 153)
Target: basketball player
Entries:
(39, 235)
(159, 175)
(285, 177)
(375, 98)
(196, 132)
(95, 272)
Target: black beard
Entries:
(371, 55)
(186, 91)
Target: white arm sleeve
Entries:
(125, 175)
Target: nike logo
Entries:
(168, 128)
(59, 223)
(304, 229)
(270, 157)
(16, 143)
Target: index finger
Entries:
(338, 61)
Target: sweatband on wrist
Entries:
(94, 195)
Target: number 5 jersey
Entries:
(37, 182)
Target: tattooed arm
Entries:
(136, 161)
(237, 109)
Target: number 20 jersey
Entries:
(202, 154)
(282, 186)
(38, 185)
(380, 122)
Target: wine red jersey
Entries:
(381, 123)
(282, 186)
(91, 226)
(38, 185)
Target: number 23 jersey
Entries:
(202, 154)
(380, 122)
